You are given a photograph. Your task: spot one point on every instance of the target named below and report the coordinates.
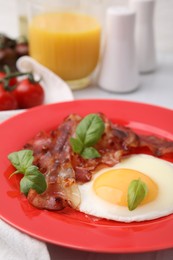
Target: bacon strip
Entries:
(63, 169)
(158, 146)
(52, 154)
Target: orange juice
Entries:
(67, 43)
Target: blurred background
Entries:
(163, 19)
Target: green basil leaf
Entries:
(33, 179)
(76, 144)
(21, 160)
(90, 129)
(89, 153)
(137, 191)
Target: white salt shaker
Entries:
(118, 69)
(144, 34)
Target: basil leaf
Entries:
(33, 179)
(76, 144)
(137, 191)
(89, 153)
(21, 160)
(90, 129)
(88, 133)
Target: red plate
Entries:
(70, 228)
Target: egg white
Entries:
(160, 171)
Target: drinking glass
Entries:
(65, 37)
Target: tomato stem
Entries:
(7, 70)
(32, 80)
(9, 75)
(15, 74)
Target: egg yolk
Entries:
(112, 186)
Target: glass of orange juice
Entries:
(64, 35)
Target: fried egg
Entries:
(105, 195)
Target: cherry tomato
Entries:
(28, 94)
(12, 81)
(7, 100)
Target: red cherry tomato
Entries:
(7, 100)
(28, 93)
(12, 81)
